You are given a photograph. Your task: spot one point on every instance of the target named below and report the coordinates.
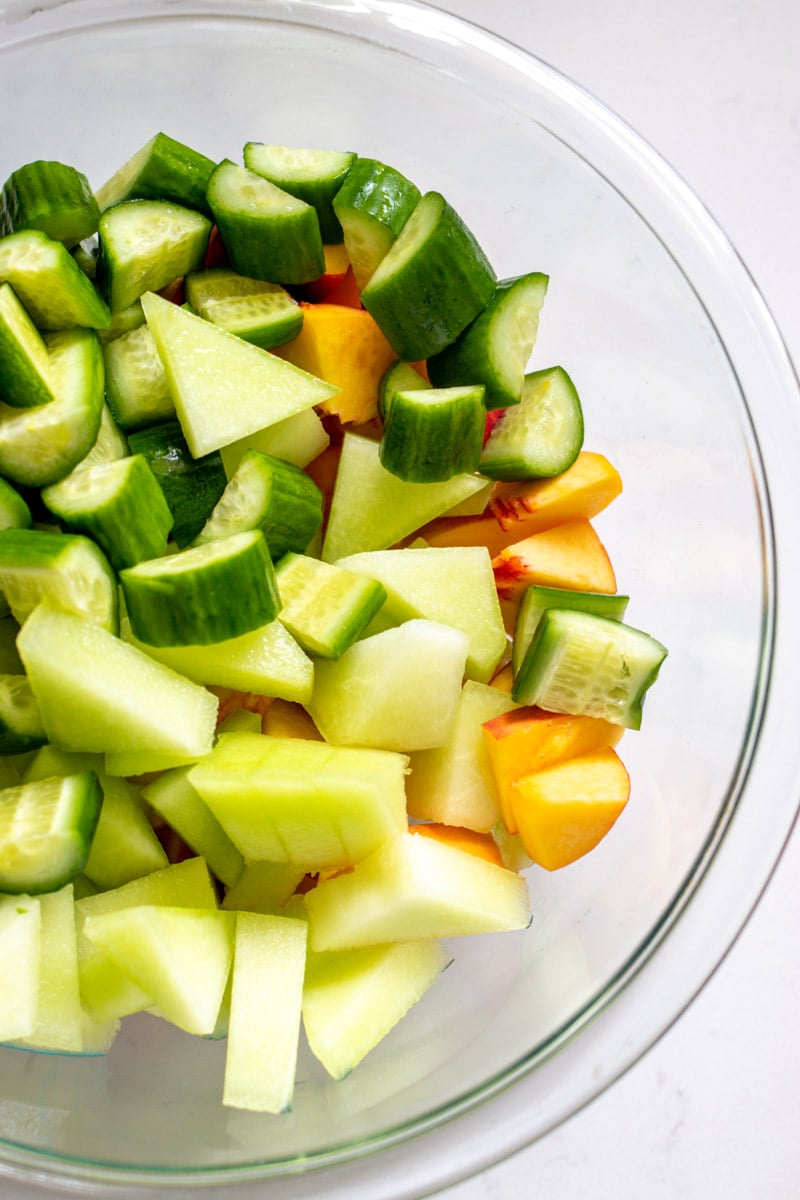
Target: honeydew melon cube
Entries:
(180, 957)
(415, 887)
(107, 993)
(451, 584)
(20, 958)
(59, 1021)
(264, 887)
(353, 998)
(453, 783)
(398, 689)
(302, 802)
(267, 661)
(265, 1013)
(173, 798)
(96, 693)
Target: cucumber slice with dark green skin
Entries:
(204, 594)
(86, 254)
(586, 665)
(14, 511)
(21, 727)
(124, 321)
(41, 445)
(494, 348)
(191, 486)
(325, 607)
(136, 383)
(164, 169)
(433, 281)
(432, 434)
(260, 312)
(109, 446)
(540, 436)
(267, 234)
(69, 568)
(24, 361)
(314, 176)
(50, 196)
(271, 495)
(400, 377)
(537, 598)
(120, 505)
(49, 283)
(46, 830)
(146, 244)
(372, 206)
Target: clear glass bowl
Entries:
(686, 387)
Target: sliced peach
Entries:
(469, 531)
(562, 813)
(529, 739)
(481, 844)
(284, 718)
(583, 490)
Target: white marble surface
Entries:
(711, 1112)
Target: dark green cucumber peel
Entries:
(314, 176)
(51, 196)
(432, 434)
(191, 486)
(164, 169)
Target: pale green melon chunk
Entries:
(97, 693)
(267, 661)
(372, 509)
(224, 388)
(264, 1023)
(415, 887)
(451, 584)
(297, 439)
(353, 998)
(20, 958)
(59, 1021)
(106, 992)
(174, 799)
(180, 957)
(398, 689)
(453, 783)
(263, 887)
(302, 802)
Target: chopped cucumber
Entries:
(137, 390)
(540, 436)
(325, 607)
(400, 377)
(21, 726)
(24, 360)
(146, 244)
(314, 176)
(46, 830)
(206, 594)
(164, 169)
(14, 511)
(537, 598)
(257, 311)
(372, 206)
(51, 196)
(191, 486)
(68, 568)
(432, 434)
(50, 284)
(587, 665)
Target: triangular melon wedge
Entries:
(180, 957)
(224, 388)
(372, 509)
(20, 957)
(450, 584)
(59, 1018)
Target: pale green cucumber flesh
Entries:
(21, 726)
(163, 169)
(325, 607)
(257, 311)
(372, 206)
(68, 568)
(50, 284)
(137, 390)
(400, 377)
(14, 510)
(314, 176)
(537, 598)
(540, 436)
(24, 360)
(46, 829)
(145, 245)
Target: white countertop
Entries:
(711, 1111)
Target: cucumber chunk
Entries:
(400, 377)
(164, 169)
(432, 434)
(21, 726)
(433, 281)
(271, 495)
(314, 176)
(191, 486)
(41, 445)
(494, 348)
(146, 244)
(540, 436)
(586, 665)
(137, 390)
(68, 568)
(266, 232)
(206, 594)
(46, 830)
(51, 196)
(24, 361)
(14, 511)
(49, 283)
(325, 607)
(372, 206)
(537, 598)
(257, 311)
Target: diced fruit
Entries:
(324, 606)
(470, 841)
(353, 998)
(469, 530)
(99, 694)
(397, 690)
(563, 812)
(263, 887)
(20, 957)
(372, 509)
(524, 740)
(452, 585)
(583, 490)
(180, 957)
(453, 784)
(173, 798)
(224, 388)
(290, 720)
(46, 830)
(59, 1017)
(415, 887)
(298, 439)
(266, 1005)
(302, 802)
